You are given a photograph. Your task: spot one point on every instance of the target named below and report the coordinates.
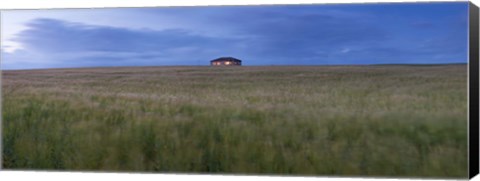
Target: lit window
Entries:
(228, 63)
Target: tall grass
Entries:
(342, 120)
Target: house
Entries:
(226, 61)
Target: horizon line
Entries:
(271, 65)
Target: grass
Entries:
(403, 121)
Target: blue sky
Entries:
(259, 35)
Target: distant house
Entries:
(226, 61)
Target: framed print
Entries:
(342, 90)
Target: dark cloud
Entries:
(52, 35)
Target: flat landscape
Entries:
(384, 120)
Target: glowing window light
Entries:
(227, 63)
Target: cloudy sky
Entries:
(258, 35)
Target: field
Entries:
(385, 120)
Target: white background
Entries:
(84, 176)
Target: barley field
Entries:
(384, 120)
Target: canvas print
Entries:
(370, 90)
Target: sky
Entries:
(329, 34)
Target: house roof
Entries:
(226, 59)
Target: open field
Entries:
(313, 120)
